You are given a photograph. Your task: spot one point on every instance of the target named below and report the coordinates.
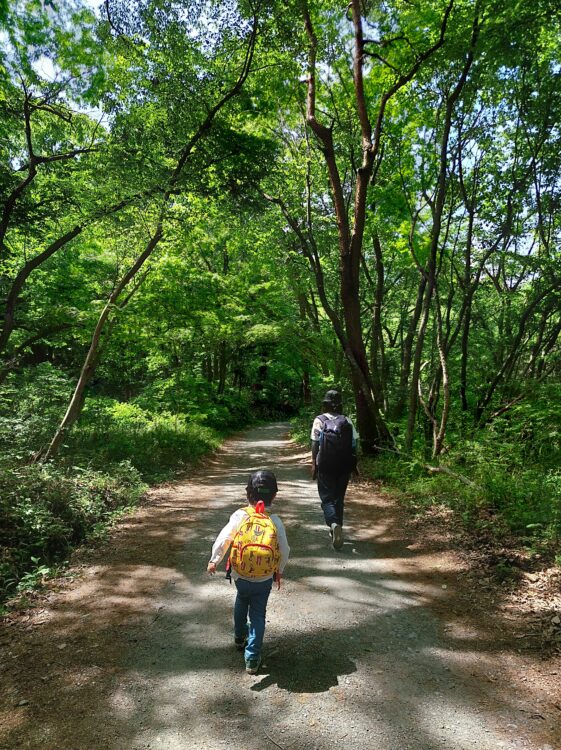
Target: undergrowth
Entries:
(157, 444)
(111, 456)
(525, 504)
(512, 465)
(46, 511)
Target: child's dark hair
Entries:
(262, 485)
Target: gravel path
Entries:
(365, 648)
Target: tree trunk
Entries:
(306, 388)
(21, 277)
(513, 355)
(77, 401)
(377, 358)
(407, 350)
(372, 427)
(222, 368)
(88, 368)
(437, 217)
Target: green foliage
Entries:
(225, 323)
(194, 400)
(168, 426)
(534, 426)
(513, 464)
(529, 500)
(45, 511)
(156, 444)
(30, 406)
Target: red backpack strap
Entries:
(257, 509)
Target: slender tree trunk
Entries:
(513, 355)
(222, 367)
(377, 358)
(372, 427)
(88, 368)
(437, 218)
(467, 313)
(407, 349)
(440, 430)
(414, 391)
(306, 387)
(464, 358)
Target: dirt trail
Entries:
(379, 646)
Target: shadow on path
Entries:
(372, 645)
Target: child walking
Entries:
(259, 553)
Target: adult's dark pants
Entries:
(331, 489)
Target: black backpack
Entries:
(335, 454)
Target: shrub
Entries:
(45, 511)
(31, 406)
(156, 445)
(513, 463)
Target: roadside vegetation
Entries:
(211, 212)
(504, 482)
(505, 487)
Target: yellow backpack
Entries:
(255, 549)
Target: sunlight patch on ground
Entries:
(451, 723)
(340, 589)
(122, 704)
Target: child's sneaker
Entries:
(337, 534)
(252, 665)
(240, 643)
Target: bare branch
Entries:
(58, 157)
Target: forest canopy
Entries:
(211, 212)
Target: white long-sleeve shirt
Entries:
(226, 537)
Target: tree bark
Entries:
(377, 357)
(432, 265)
(407, 350)
(373, 430)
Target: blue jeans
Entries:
(251, 599)
(331, 489)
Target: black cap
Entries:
(333, 398)
(262, 485)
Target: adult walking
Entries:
(334, 440)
